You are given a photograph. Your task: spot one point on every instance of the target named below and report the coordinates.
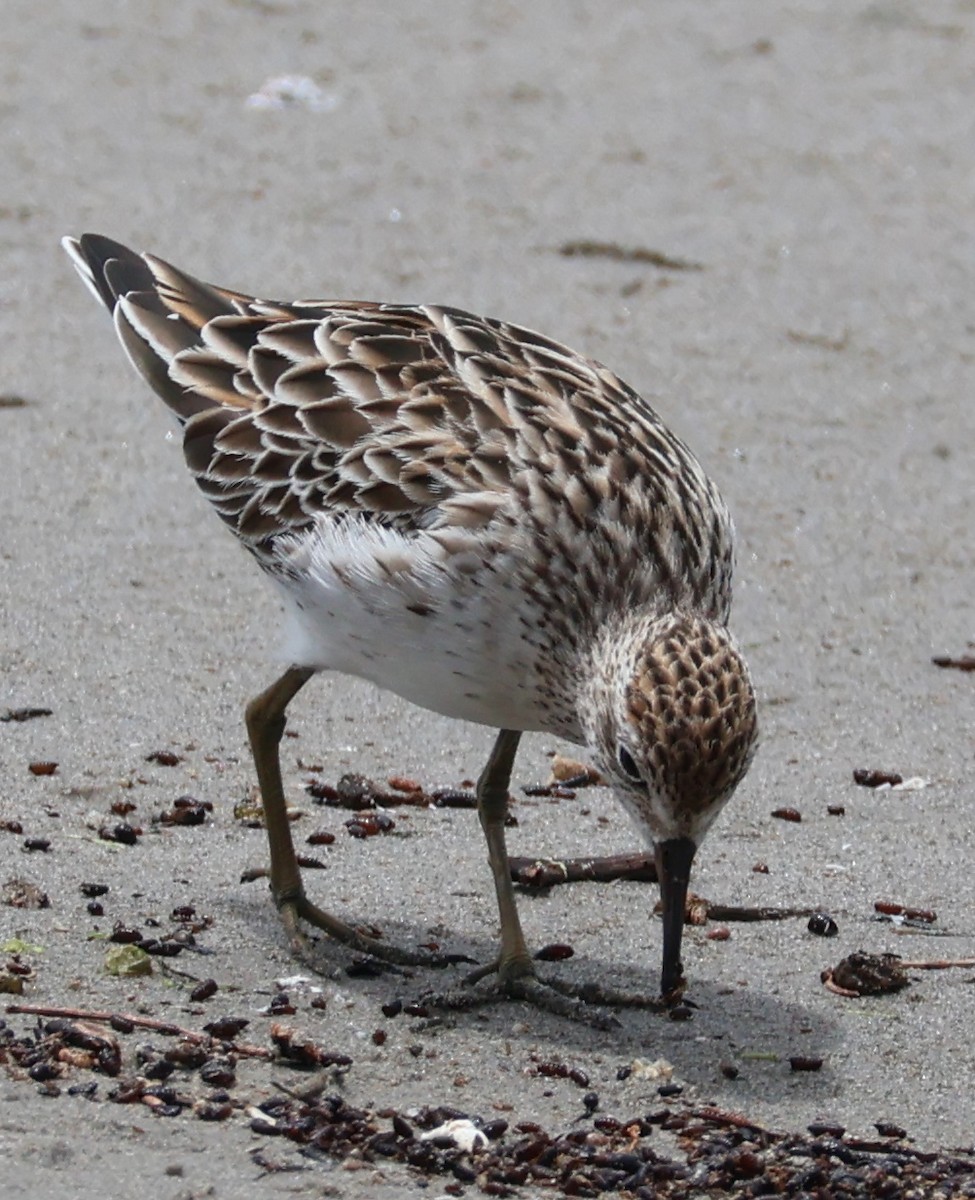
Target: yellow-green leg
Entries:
(514, 962)
(265, 717)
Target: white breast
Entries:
(412, 615)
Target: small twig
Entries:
(639, 867)
(720, 1116)
(965, 662)
(589, 248)
(164, 1027)
(938, 964)
(734, 912)
(547, 872)
(835, 988)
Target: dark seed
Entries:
(11, 826)
(280, 1006)
(37, 843)
(379, 1037)
(787, 814)
(556, 952)
(729, 1070)
(123, 833)
(875, 779)
(826, 1128)
(402, 1127)
(802, 1062)
(42, 768)
(624, 1073)
(746, 1164)
(669, 1089)
(836, 810)
(192, 802)
(680, 1012)
(190, 1055)
(43, 1071)
(226, 1028)
(165, 758)
(94, 889)
(590, 1102)
(823, 925)
(492, 1130)
(369, 824)
(87, 1090)
(95, 908)
(124, 936)
(401, 783)
(218, 1073)
(889, 1129)
(159, 1070)
(186, 811)
(208, 1110)
(393, 1008)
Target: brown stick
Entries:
(547, 872)
(734, 912)
(164, 1027)
(720, 1116)
(965, 662)
(835, 988)
(937, 964)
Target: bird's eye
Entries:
(629, 766)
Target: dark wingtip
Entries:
(109, 268)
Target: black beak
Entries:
(674, 858)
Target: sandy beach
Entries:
(762, 217)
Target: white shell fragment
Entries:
(657, 1070)
(462, 1133)
(292, 91)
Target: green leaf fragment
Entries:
(127, 960)
(17, 945)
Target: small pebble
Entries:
(823, 925)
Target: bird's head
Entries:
(672, 725)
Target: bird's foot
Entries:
(296, 909)
(587, 1004)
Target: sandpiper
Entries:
(475, 517)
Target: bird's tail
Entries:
(159, 315)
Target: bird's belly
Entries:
(455, 645)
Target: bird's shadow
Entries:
(743, 1029)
